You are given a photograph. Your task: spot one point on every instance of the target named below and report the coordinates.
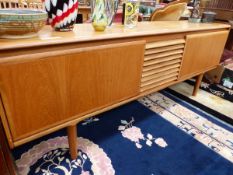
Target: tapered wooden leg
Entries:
(197, 84)
(72, 139)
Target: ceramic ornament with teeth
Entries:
(62, 13)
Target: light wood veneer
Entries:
(40, 93)
(202, 51)
(85, 32)
(57, 79)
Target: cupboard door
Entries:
(202, 51)
(46, 89)
(103, 76)
(33, 94)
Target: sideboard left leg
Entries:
(72, 139)
(197, 84)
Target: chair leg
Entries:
(72, 139)
(197, 84)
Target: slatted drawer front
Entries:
(161, 63)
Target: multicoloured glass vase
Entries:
(111, 7)
(99, 17)
(62, 13)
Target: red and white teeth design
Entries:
(48, 4)
(66, 16)
(54, 2)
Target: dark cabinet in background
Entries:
(7, 166)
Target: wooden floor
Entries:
(212, 101)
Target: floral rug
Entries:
(158, 135)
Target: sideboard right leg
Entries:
(72, 139)
(197, 84)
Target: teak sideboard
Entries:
(57, 79)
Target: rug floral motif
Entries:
(160, 134)
(53, 154)
(135, 135)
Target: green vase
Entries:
(99, 17)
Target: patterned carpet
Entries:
(205, 99)
(215, 89)
(161, 134)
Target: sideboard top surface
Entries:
(85, 32)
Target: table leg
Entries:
(72, 139)
(197, 84)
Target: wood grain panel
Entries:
(163, 49)
(42, 93)
(157, 84)
(85, 33)
(164, 43)
(159, 79)
(163, 59)
(160, 74)
(161, 63)
(202, 51)
(104, 76)
(33, 94)
(163, 54)
(163, 69)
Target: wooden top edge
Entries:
(86, 33)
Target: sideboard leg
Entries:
(197, 84)
(72, 139)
